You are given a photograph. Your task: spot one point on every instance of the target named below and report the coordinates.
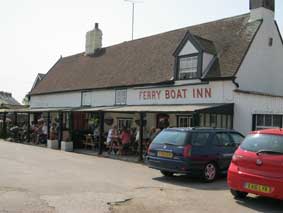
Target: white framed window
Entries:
(216, 120)
(184, 120)
(268, 121)
(86, 98)
(188, 67)
(121, 97)
(124, 122)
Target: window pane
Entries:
(276, 120)
(121, 97)
(260, 120)
(124, 122)
(222, 139)
(86, 98)
(237, 138)
(268, 120)
(224, 121)
(229, 120)
(207, 120)
(176, 138)
(201, 120)
(184, 121)
(188, 67)
(219, 121)
(213, 121)
(199, 138)
(255, 143)
(188, 64)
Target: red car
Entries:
(257, 165)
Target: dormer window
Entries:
(193, 57)
(188, 67)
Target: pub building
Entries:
(226, 74)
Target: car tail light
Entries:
(187, 151)
(236, 158)
(148, 149)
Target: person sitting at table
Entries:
(125, 138)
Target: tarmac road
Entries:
(35, 180)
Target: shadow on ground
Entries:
(262, 204)
(195, 183)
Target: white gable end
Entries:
(188, 49)
(262, 68)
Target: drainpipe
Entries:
(236, 84)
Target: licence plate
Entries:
(258, 188)
(165, 154)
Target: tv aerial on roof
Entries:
(133, 2)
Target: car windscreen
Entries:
(171, 137)
(263, 142)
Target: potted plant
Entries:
(52, 142)
(67, 144)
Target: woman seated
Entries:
(125, 138)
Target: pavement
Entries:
(38, 180)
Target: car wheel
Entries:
(167, 174)
(238, 194)
(210, 172)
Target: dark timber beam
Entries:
(101, 132)
(142, 115)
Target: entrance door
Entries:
(184, 120)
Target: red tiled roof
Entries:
(150, 60)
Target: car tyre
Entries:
(238, 194)
(210, 172)
(167, 174)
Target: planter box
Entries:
(67, 146)
(52, 144)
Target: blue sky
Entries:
(34, 33)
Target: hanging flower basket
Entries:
(109, 121)
(138, 122)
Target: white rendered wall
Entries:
(214, 92)
(56, 100)
(262, 69)
(188, 49)
(246, 105)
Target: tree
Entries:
(25, 101)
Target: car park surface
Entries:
(34, 179)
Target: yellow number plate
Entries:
(165, 154)
(258, 188)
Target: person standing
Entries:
(125, 138)
(111, 140)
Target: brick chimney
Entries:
(93, 40)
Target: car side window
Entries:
(199, 138)
(237, 138)
(222, 139)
